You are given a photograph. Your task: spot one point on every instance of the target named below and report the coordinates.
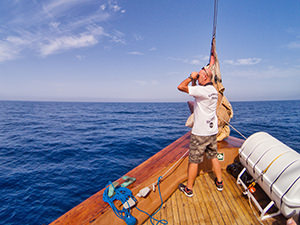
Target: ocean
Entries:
(54, 155)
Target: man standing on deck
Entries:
(205, 128)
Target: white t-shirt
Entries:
(205, 121)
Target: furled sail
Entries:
(224, 108)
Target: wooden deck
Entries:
(209, 206)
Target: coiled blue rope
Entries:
(123, 194)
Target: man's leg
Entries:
(218, 173)
(195, 157)
(217, 168)
(192, 174)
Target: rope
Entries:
(162, 176)
(122, 194)
(215, 19)
(254, 211)
(188, 151)
(213, 36)
(233, 128)
(265, 170)
(163, 221)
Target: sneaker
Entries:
(219, 185)
(185, 190)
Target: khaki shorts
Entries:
(200, 145)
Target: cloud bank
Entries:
(55, 26)
(243, 62)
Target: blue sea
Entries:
(54, 155)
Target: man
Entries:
(205, 129)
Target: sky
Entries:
(140, 50)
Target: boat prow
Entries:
(95, 211)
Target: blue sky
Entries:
(140, 50)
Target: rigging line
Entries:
(155, 183)
(254, 211)
(234, 128)
(215, 18)
(188, 151)
(219, 117)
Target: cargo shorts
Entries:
(200, 145)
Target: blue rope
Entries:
(163, 221)
(123, 194)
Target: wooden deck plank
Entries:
(184, 202)
(175, 209)
(232, 204)
(241, 202)
(163, 214)
(209, 206)
(237, 201)
(209, 202)
(182, 216)
(199, 211)
(170, 213)
(190, 209)
(221, 204)
(203, 206)
(214, 207)
(278, 220)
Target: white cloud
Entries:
(198, 60)
(67, 42)
(195, 62)
(113, 5)
(153, 49)
(17, 40)
(11, 47)
(58, 6)
(243, 62)
(51, 30)
(138, 37)
(7, 52)
(135, 53)
(267, 73)
(116, 8)
(117, 37)
(80, 57)
(54, 25)
(103, 7)
(294, 45)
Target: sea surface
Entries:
(54, 155)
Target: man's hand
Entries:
(195, 75)
(183, 86)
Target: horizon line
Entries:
(132, 101)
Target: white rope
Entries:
(155, 183)
(254, 211)
(188, 151)
(234, 128)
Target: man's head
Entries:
(205, 75)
